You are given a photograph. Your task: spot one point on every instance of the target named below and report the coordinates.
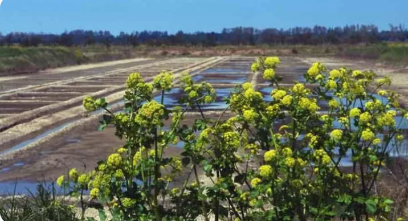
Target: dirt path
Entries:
(19, 82)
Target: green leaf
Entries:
(185, 161)
(116, 214)
(240, 178)
(371, 206)
(207, 167)
(388, 201)
(102, 215)
(102, 126)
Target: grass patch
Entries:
(20, 60)
(395, 53)
(40, 206)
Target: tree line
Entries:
(352, 34)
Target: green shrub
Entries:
(277, 160)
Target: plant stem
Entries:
(156, 176)
(203, 202)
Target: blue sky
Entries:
(56, 16)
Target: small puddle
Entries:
(26, 188)
(35, 139)
(6, 169)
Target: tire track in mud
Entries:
(72, 115)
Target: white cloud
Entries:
(0, 4)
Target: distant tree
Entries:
(66, 39)
(351, 34)
(1, 39)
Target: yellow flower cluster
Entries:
(399, 137)
(73, 174)
(313, 139)
(335, 74)
(287, 152)
(297, 183)
(316, 69)
(309, 104)
(247, 86)
(387, 119)
(268, 74)
(163, 81)
(287, 100)
(355, 112)
(60, 180)
(376, 141)
(150, 114)
(336, 134)
(83, 179)
(94, 193)
(344, 120)
(331, 84)
(127, 202)
(382, 93)
(89, 103)
(271, 62)
(334, 104)
(272, 110)
(122, 118)
(255, 182)
(269, 155)
(301, 162)
(138, 156)
(119, 174)
(384, 81)
(253, 148)
(373, 105)
(300, 89)
(278, 94)
(114, 160)
(134, 80)
(367, 135)
(232, 139)
(252, 95)
(255, 67)
(265, 171)
(357, 73)
(322, 156)
(365, 117)
(290, 162)
(250, 115)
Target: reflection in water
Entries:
(172, 97)
(35, 139)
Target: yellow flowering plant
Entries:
(310, 153)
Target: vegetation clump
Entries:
(271, 160)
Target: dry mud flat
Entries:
(33, 120)
(82, 146)
(46, 132)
